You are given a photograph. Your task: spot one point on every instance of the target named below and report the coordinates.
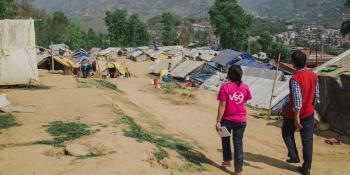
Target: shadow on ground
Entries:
(269, 161)
(324, 134)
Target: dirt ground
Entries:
(68, 100)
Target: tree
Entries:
(231, 23)
(255, 47)
(345, 27)
(116, 23)
(279, 48)
(169, 35)
(265, 41)
(7, 9)
(137, 32)
(125, 30)
(75, 37)
(92, 39)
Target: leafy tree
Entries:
(92, 39)
(279, 48)
(137, 32)
(116, 23)
(125, 30)
(169, 35)
(75, 37)
(255, 47)
(345, 27)
(7, 9)
(265, 41)
(231, 23)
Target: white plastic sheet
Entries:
(18, 64)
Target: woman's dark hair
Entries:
(235, 74)
(299, 59)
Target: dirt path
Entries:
(65, 101)
(265, 152)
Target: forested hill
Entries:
(325, 12)
(91, 12)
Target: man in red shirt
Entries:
(304, 91)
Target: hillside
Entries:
(90, 12)
(325, 12)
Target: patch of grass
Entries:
(34, 88)
(64, 131)
(158, 140)
(105, 85)
(27, 87)
(169, 88)
(184, 149)
(7, 120)
(160, 155)
(83, 84)
(92, 155)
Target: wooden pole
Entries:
(274, 84)
(52, 60)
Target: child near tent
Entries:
(232, 115)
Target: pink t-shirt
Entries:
(235, 97)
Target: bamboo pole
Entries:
(52, 59)
(274, 85)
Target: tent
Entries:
(185, 68)
(334, 88)
(227, 57)
(18, 62)
(261, 89)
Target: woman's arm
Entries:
(221, 111)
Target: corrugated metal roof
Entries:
(185, 68)
(226, 56)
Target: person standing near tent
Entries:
(232, 116)
(304, 91)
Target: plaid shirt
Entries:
(297, 97)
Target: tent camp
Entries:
(18, 62)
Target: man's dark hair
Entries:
(299, 59)
(235, 74)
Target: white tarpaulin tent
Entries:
(18, 64)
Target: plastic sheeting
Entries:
(226, 56)
(157, 67)
(260, 88)
(3, 101)
(262, 73)
(185, 68)
(18, 62)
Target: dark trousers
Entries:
(237, 131)
(306, 134)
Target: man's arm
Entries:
(298, 102)
(317, 94)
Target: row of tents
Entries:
(209, 73)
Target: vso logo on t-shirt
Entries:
(237, 97)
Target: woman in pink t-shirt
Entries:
(232, 115)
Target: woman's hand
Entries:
(218, 126)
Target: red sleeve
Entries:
(222, 95)
(249, 95)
